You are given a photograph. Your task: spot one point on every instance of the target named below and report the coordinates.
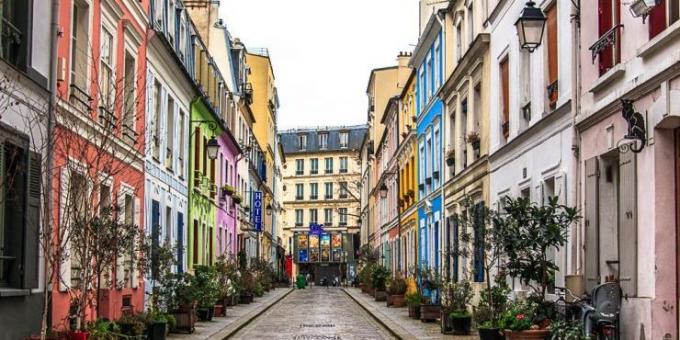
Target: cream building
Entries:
(321, 186)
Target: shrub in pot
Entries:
(248, 290)
(379, 276)
(182, 306)
(430, 308)
(157, 324)
(413, 301)
(101, 329)
(396, 290)
(365, 278)
(521, 321)
(208, 290)
(132, 325)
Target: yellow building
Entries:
(466, 97)
(265, 104)
(407, 156)
(321, 186)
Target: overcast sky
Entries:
(323, 50)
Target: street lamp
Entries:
(269, 208)
(641, 8)
(383, 190)
(212, 148)
(530, 27)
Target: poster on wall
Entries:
(303, 241)
(314, 255)
(303, 256)
(337, 241)
(337, 255)
(325, 247)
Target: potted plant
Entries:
(472, 137)
(365, 278)
(183, 303)
(527, 232)
(451, 157)
(102, 330)
(157, 324)
(228, 277)
(520, 321)
(413, 301)
(132, 325)
(461, 319)
(236, 198)
(430, 309)
(228, 190)
(205, 282)
(492, 304)
(379, 277)
(248, 290)
(396, 291)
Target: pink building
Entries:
(629, 196)
(227, 210)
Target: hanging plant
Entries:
(228, 190)
(472, 137)
(237, 198)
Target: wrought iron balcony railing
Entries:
(606, 40)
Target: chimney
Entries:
(403, 59)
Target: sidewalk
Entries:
(397, 320)
(237, 316)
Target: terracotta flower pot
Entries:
(414, 312)
(490, 334)
(398, 301)
(532, 334)
(429, 313)
(380, 295)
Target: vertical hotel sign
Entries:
(257, 210)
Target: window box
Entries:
(421, 186)
(428, 180)
(435, 174)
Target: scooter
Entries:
(601, 317)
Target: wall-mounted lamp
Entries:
(530, 27)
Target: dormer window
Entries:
(344, 139)
(323, 141)
(302, 142)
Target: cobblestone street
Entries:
(314, 314)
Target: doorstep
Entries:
(397, 321)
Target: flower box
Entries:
(531, 334)
(429, 313)
(398, 301)
(185, 318)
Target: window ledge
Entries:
(13, 292)
(659, 41)
(612, 75)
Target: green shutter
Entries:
(591, 254)
(627, 224)
(32, 230)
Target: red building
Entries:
(99, 148)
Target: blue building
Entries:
(428, 62)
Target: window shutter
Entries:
(138, 222)
(479, 242)
(591, 254)
(657, 19)
(552, 52)
(604, 24)
(32, 231)
(455, 248)
(561, 188)
(627, 223)
(180, 242)
(65, 265)
(120, 258)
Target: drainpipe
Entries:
(576, 266)
(49, 160)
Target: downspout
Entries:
(577, 257)
(49, 163)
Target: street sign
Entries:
(257, 210)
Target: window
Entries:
(182, 38)
(505, 98)
(552, 85)
(437, 64)
(314, 166)
(299, 217)
(314, 191)
(459, 42)
(302, 142)
(328, 216)
(476, 114)
(19, 212)
(170, 133)
(128, 211)
(421, 169)
(106, 77)
(329, 165)
(525, 88)
(181, 145)
(16, 17)
(436, 153)
(158, 12)
(609, 16)
(104, 197)
(79, 47)
(299, 167)
(343, 165)
(429, 76)
(470, 23)
(299, 191)
(168, 224)
(156, 121)
(422, 88)
(343, 216)
(329, 190)
(313, 216)
(171, 22)
(323, 140)
(343, 189)
(344, 139)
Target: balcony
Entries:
(608, 39)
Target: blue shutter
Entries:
(455, 248)
(436, 245)
(155, 238)
(180, 242)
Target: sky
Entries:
(323, 51)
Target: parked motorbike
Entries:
(598, 313)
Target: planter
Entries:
(185, 320)
(532, 334)
(362, 287)
(490, 334)
(388, 300)
(380, 295)
(461, 324)
(446, 324)
(220, 310)
(398, 301)
(414, 312)
(228, 302)
(245, 298)
(79, 335)
(206, 313)
(429, 313)
(156, 330)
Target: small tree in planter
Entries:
(365, 278)
(229, 280)
(159, 270)
(182, 305)
(249, 287)
(205, 283)
(413, 301)
(527, 233)
(430, 285)
(461, 319)
(379, 276)
(396, 290)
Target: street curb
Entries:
(234, 327)
(394, 329)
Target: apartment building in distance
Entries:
(321, 189)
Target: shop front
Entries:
(323, 254)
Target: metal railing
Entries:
(12, 40)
